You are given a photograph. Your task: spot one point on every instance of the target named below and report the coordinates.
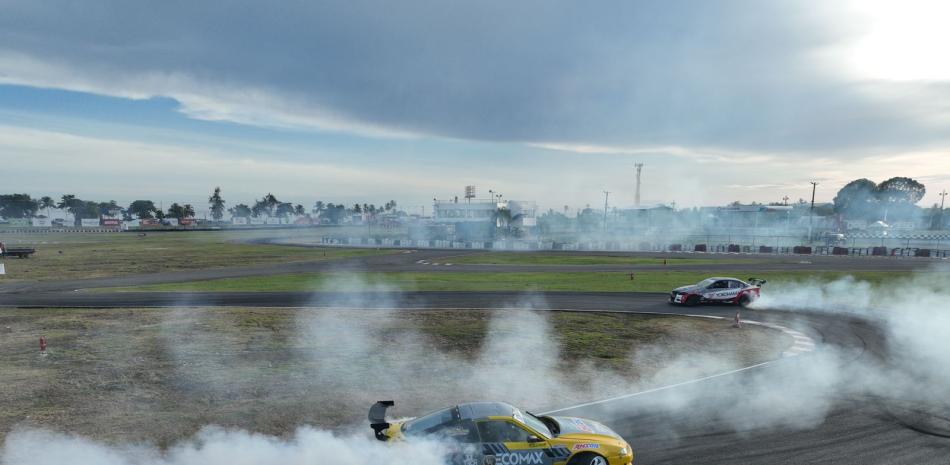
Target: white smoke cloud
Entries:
(520, 361)
(216, 446)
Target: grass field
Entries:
(91, 255)
(158, 375)
(550, 258)
(658, 281)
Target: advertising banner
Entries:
(257, 220)
(239, 220)
(42, 222)
(273, 220)
(89, 222)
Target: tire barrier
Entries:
(679, 248)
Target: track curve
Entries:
(853, 430)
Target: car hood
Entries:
(580, 426)
(693, 288)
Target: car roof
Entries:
(481, 410)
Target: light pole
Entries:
(811, 214)
(943, 196)
(606, 195)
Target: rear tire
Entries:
(744, 301)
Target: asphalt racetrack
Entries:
(855, 431)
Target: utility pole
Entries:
(637, 199)
(785, 199)
(606, 195)
(943, 196)
(811, 215)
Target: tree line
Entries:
(863, 199)
(24, 206)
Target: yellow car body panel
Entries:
(545, 450)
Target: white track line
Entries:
(662, 388)
(802, 344)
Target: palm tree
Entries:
(71, 204)
(217, 204)
(504, 218)
(47, 202)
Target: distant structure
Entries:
(469, 193)
(636, 202)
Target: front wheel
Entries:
(692, 301)
(588, 459)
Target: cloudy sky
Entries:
(541, 100)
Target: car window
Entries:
(720, 285)
(458, 431)
(502, 431)
(735, 285)
(706, 283)
(430, 422)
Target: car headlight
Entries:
(624, 451)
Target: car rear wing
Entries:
(757, 282)
(377, 418)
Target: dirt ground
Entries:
(158, 375)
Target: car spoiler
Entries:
(757, 281)
(377, 418)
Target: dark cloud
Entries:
(728, 74)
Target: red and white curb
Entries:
(802, 344)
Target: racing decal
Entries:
(558, 452)
(586, 446)
(582, 425)
(494, 448)
(470, 459)
(721, 295)
(522, 458)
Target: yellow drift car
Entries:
(495, 433)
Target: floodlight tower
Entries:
(637, 198)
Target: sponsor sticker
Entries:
(586, 446)
(515, 458)
(582, 425)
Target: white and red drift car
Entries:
(722, 290)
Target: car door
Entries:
(465, 447)
(509, 443)
(717, 291)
